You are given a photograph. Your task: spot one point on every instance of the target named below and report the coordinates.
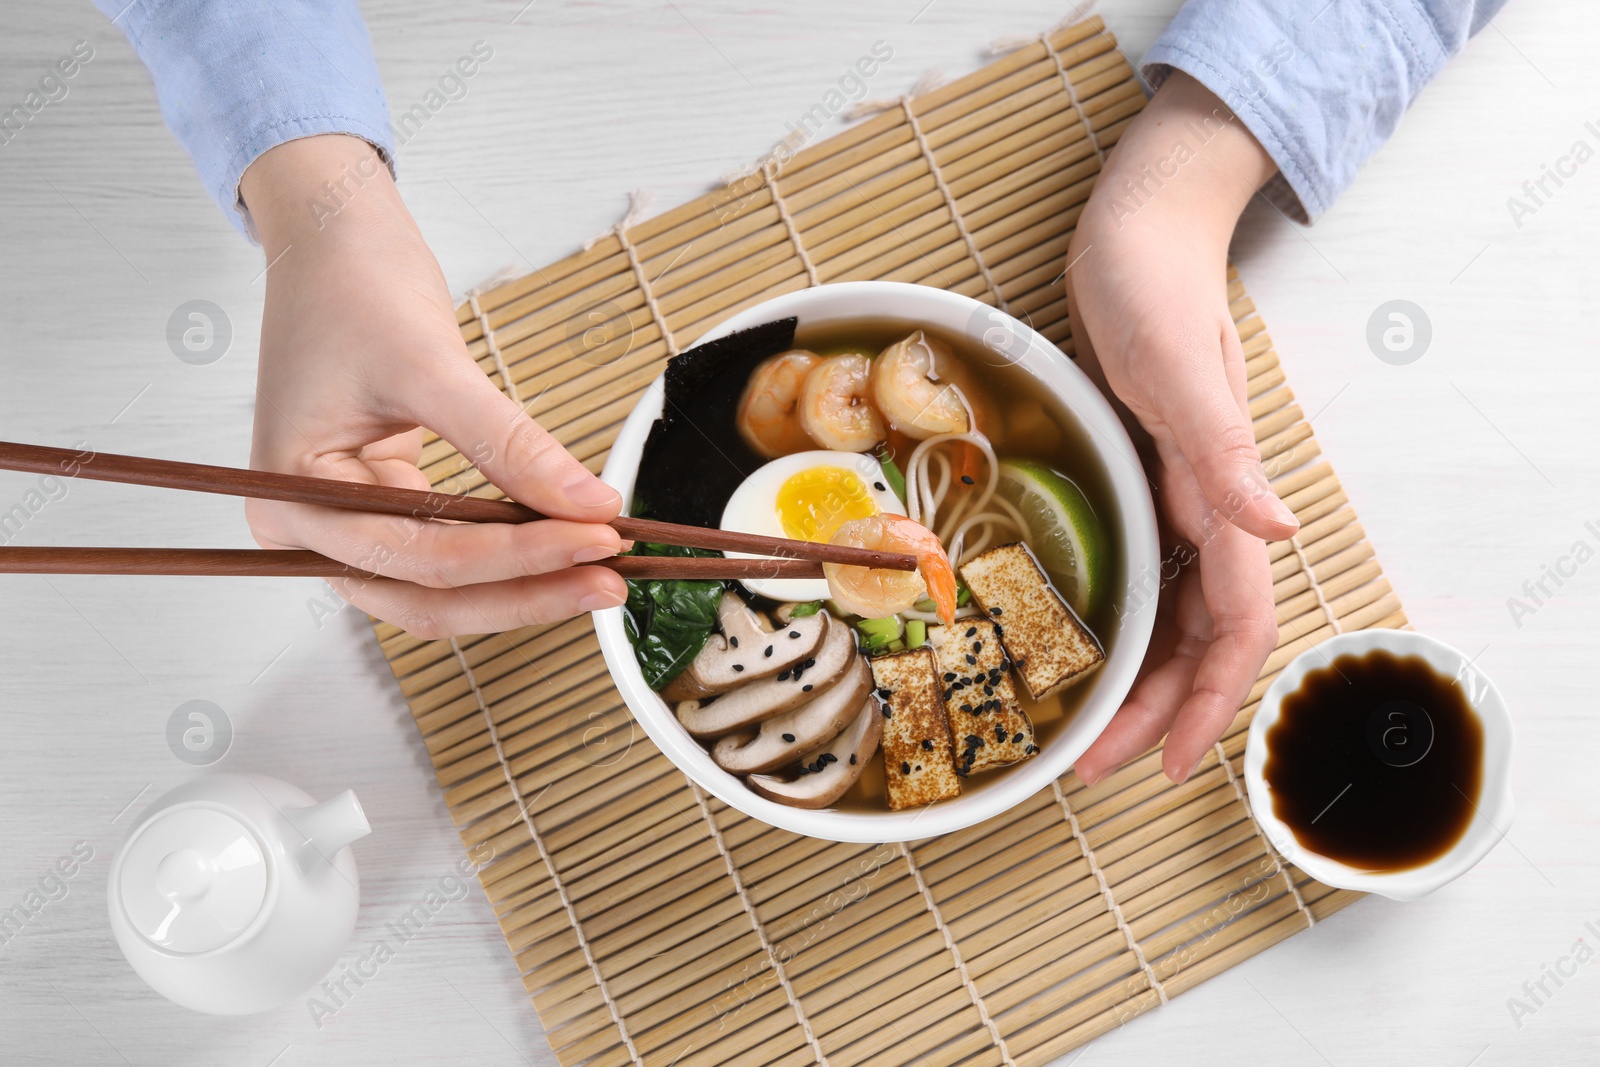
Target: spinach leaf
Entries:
(668, 620)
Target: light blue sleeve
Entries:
(1320, 83)
(237, 78)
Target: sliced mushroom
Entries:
(763, 698)
(743, 651)
(828, 771)
(784, 738)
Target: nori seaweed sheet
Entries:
(694, 458)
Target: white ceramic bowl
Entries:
(1494, 807)
(1009, 341)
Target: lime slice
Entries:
(1063, 531)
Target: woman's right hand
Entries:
(359, 351)
(1147, 294)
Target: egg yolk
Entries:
(814, 503)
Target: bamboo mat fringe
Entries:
(653, 924)
(506, 381)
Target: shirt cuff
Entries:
(236, 79)
(1321, 85)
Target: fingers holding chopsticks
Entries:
(488, 608)
(426, 552)
(518, 571)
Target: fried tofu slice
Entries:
(988, 724)
(918, 752)
(1050, 647)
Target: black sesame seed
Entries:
(880, 487)
(977, 646)
(734, 641)
(967, 708)
(884, 693)
(783, 676)
(1031, 749)
(887, 714)
(927, 746)
(738, 667)
(1017, 739)
(994, 611)
(828, 757)
(808, 664)
(919, 766)
(971, 630)
(974, 740)
(768, 653)
(789, 738)
(966, 479)
(794, 633)
(807, 688)
(949, 676)
(972, 659)
(905, 768)
(1000, 732)
(852, 759)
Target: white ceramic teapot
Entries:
(237, 892)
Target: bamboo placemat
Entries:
(654, 925)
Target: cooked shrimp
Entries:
(874, 593)
(834, 406)
(916, 383)
(769, 411)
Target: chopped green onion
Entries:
(897, 646)
(963, 594)
(800, 611)
(916, 633)
(891, 473)
(874, 643)
(925, 604)
(889, 627)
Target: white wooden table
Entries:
(1472, 469)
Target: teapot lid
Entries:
(192, 879)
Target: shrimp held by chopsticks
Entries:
(876, 594)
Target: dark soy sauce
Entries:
(1376, 761)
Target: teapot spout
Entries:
(328, 827)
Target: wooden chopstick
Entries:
(297, 563)
(388, 500)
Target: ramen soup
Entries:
(877, 689)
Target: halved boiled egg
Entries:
(807, 496)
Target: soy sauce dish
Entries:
(1380, 761)
(872, 706)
